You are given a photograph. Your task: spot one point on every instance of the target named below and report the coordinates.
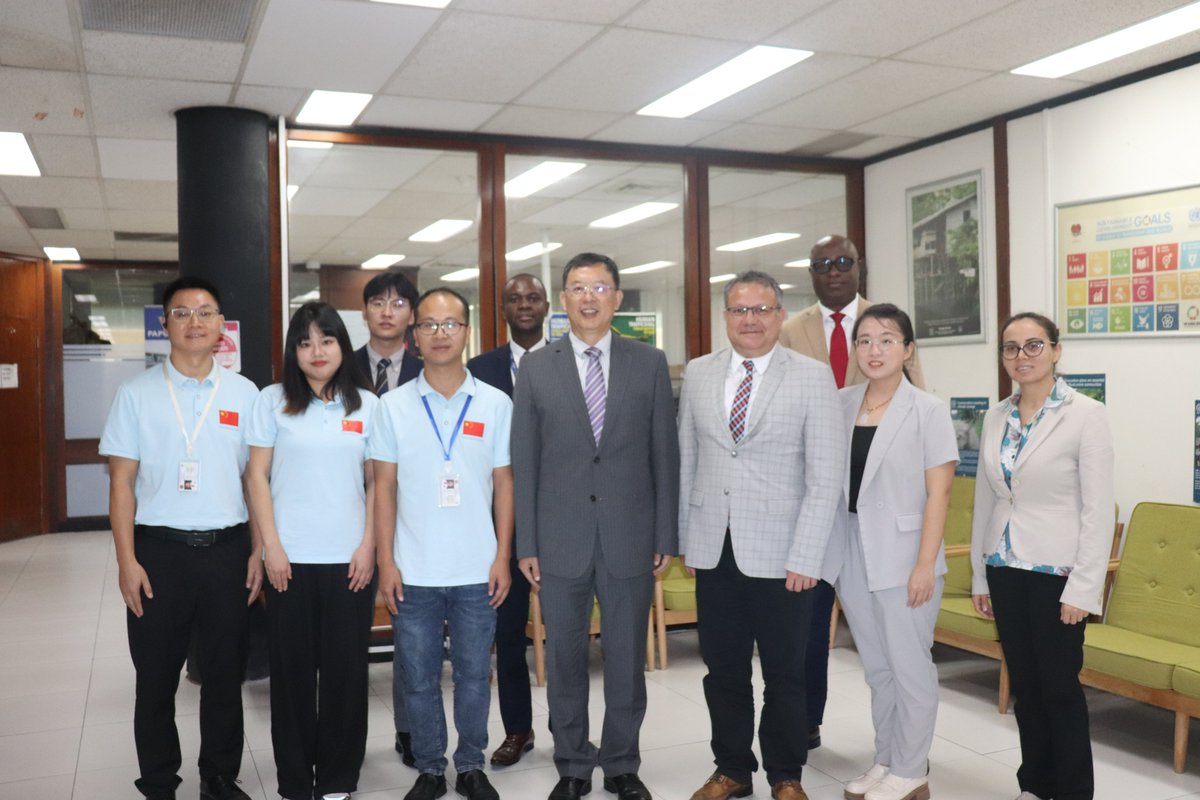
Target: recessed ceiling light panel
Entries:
(532, 250)
(631, 215)
(757, 241)
(754, 65)
(534, 180)
(382, 261)
(440, 230)
(332, 108)
(15, 156)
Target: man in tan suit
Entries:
(822, 331)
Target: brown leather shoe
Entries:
(512, 748)
(722, 787)
(788, 790)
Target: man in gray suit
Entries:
(596, 480)
(762, 448)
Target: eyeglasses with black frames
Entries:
(823, 265)
(1032, 349)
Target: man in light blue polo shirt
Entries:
(444, 524)
(176, 451)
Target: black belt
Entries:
(190, 538)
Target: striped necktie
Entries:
(594, 393)
(741, 399)
(381, 380)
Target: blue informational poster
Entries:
(1196, 473)
(967, 414)
(1092, 385)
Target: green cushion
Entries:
(958, 615)
(958, 531)
(676, 570)
(679, 594)
(1135, 657)
(1186, 678)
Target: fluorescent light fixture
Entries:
(1114, 45)
(534, 180)
(631, 215)
(419, 3)
(757, 241)
(440, 230)
(292, 189)
(783, 287)
(728, 276)
(86, 298)
(804, 262)
(15, 156)
(382, 261)
(754, 65)
(100, 318)
(460, 275)
(313, 294)
(649, 266)
(332, 108)
(532, 250)
(61, 253)
(305, 144)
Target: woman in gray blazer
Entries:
(1040, 540)
(885, 557)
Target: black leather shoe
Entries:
(571, 788)
(627, 787)
(221, 788)
(474, 785)
(814, 737)
(427, 787)
(404, 748)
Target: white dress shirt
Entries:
(851, 312)
(518, 352)
(737, 371)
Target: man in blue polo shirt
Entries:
(185, 555)
(444, 524)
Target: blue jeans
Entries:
(419, 626)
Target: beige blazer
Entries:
(805, 333)
(1060, 510)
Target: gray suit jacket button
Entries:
(593, 498)
(726, 491)
(596, 460)
(733, 453)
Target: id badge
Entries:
(449, 488)
(189, 476)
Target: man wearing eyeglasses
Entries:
(822, 331)
(443, 520)
(186, 556)
(762, 449)
(596, 468)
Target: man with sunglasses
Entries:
(822, 331)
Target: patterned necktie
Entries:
(737, 413)
(593, 392)
(839, 358)
(381, 381)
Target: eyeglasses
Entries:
(823, 265)
(183, 313)
(1033, 348)
(758, 311)
(380, 303)
(884, 344)
(599, 289)
(450, 326)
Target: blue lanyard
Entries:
(457, 425)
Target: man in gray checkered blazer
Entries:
(763, 448)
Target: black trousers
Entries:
(319, 635)
(200, 589)
(816, 660)
(1044, 658)
(512, 670)
(736, 612)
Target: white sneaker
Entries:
(893, 787)
(857, 788)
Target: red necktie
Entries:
(838, 356)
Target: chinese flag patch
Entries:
(472, 428)
(352, 425)
(229, 418)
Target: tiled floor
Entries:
(66, 705)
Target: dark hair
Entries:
(756, 277)
(1044, 322)
(387, 281)
(188, 282)
(591, 260)
(346, 382)
(445, 290)
(892, 313)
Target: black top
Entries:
(860, 446)
(494, 368)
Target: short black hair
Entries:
(189, 282)
(891, 313)
(387, 281)
(445, 290)
(591, 260)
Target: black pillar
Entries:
(224, 219)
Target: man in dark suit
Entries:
(389, 302)
(525, 307)
(596, 483)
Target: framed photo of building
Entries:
(945, 261)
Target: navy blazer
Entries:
(494, 368)
(410, 367)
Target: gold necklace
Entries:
(866, 415)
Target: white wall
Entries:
(1135, 139)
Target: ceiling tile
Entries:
(471, 56)
(873, 147)
(1186, 45)
(9, 218)
(273, 100)
(122, 219)
(657, 130)
(574, 212)
(366, 167)
(51, 192)
(143, 251)
(141, 195)
(529, 121)
(82, 240)
(600, 11)
(761, 138)
(65, 156)
(37, 33)
(421, 112)
(19, 241)
(719, 19)
(335, 202)
(727, 186)
(142, 108)
(308, 225)
(133, 55)
(137, 159)
(85, 218)
(41, 101)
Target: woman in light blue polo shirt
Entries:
(310, 490)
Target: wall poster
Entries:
(1129, 266)
(967, 414)
(1093, 385)
(945, 262)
